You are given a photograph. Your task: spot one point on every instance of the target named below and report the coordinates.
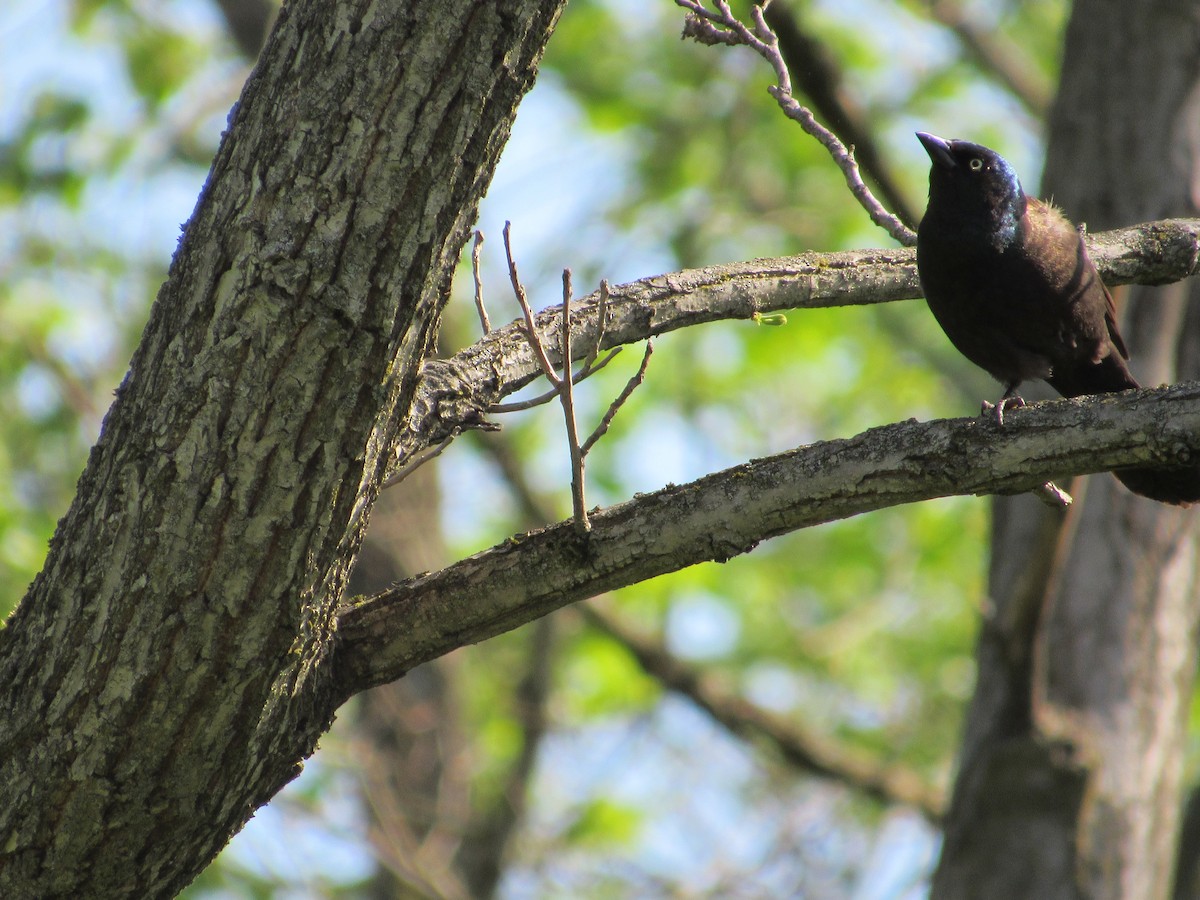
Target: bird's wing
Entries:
(1110, 308)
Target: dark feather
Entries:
(1010, 281)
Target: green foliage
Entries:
(79, 168)
(33, 161)
(601, 824)
(860, 629)
(160, 61)
(599, 678)
(863, 629)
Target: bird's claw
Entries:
(996, 410)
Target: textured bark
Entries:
(730, 512)
(167, 672)
(456, 392)
(1073, 754)
(170, 668)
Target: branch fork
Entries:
(720, 26)
(563, 381)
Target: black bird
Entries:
(1009, 279)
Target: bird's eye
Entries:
(976, 164)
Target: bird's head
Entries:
(974, 185)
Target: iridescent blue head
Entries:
(973, 188)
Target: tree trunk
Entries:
(1071, 766)
(166, 673)
(406, 737)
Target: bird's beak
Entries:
(938, 149)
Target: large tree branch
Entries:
(728, 513)
(457, 392)
(808, 750)
(166, 673)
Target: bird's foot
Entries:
(996, 410)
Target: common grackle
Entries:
(1009, 279)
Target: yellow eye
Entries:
(976, 164)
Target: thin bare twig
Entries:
(419, 460)
(521, 405)
(1052, 495)
(601, 317)
(819, 79)
(563, 382)
(723, 27)
(630, 386)
(484, 321)
(535, 341)
(567, 395)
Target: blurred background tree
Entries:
(785, 724)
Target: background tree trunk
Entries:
(170, 667)
(166, 673)
(1073, 754)
(407, 738)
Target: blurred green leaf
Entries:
(604, 823)
(159, 62)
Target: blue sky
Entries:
(553, 180)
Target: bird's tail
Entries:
(1105, 377)
(1178, 486)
